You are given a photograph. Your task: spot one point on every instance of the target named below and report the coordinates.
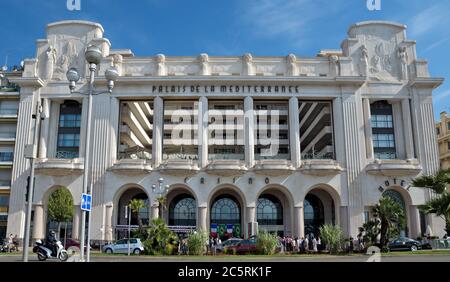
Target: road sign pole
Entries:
(129, 231)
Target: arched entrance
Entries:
(398, 198)
(274, 210)
(226, 216)
(182, 211)
(319, 208)
(142, 216)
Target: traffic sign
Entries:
(86, 202)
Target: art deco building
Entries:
(443, 135)
(289, 142)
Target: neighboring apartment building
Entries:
(9, 105)
(289, 142)
(443, 135)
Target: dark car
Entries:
(243, 247)
(405, 244)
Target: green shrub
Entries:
(266, 243)
(159, 238)
(197, 243)
(332, 237)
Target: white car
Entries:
(121, 247)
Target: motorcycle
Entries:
(44, 253)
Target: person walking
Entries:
(314, 245)
(306, 245)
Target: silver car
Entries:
(121, 247)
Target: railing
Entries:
(259, 157)
(192, 157)
(7, 135)
(6, 156)
(239, 157)
(65, 155)
(138, 155)
(9, 112)
(318, 156)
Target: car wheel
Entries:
(414, 248)
(137, 252)
(109, 251)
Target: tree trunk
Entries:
(59, 230)
(383, 232)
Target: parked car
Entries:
(243, 247)
(121, 247)
(404, 244)
(228, 243)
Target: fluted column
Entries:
(294, 132)
(251, 218)
(76, 222)
(38, 222)
(407, 127)
(249, 131)
(203, 131)
(55, 107)
(108, 223)
(202, 223)
(158, 123)
(299, 222)
(368, 129)
(43, 140)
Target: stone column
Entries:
(398, 130)
(108, 223)
(202, 223)
(38, 222)
(294, 132)
(407, 127)
(155, 212)
(414, 222)
(368, 129)
(52, 143)
(249, 132)
(43, 140)
(299, 222)
(251, 218)
(158, 124)
(76, 222)
(203, 132)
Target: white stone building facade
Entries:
(354, 124)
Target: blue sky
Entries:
(232, 27)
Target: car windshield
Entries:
(133, 241)
(121, 242)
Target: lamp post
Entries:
(93, 56)
(161, 191)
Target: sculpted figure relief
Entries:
(204, 64)
(292, 65)
(69, 58)
(247, 68)
(161, 68)
(403, 56)
(364, 64)
(117, 63)
(335, 67)
(50, 62)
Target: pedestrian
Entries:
(300, 245)
(314, 245)
(306, 244)
(319, 244)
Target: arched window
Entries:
(226, 210)
(182, 211)
(396, 196)
(313, 214)
(269, 211)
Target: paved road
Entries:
(355, 258)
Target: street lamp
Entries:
(161, 191)
(93, 56)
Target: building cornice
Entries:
(432, 82)
(27, 81)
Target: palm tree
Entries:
(439, 205)
(136, 205)
(391, 217)
(162, 205)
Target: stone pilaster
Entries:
(249, 132)
(299, 222)
(368, 130)
(203, 132)
(45, 125)
(76, 222)
(407, 127)
(109, 228)
(38, 223)
(202, 223)
(294, 132)
(158, 123)
(55, 107)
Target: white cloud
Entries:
(429, 19)
(442, 96)
(287, 18)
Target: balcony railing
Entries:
(276, 157)
(318, 156)
(239, 157)
(7, 135)
(135, 153)
(9, 112)
(66, 155)
(6, 156)
(188, 157)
